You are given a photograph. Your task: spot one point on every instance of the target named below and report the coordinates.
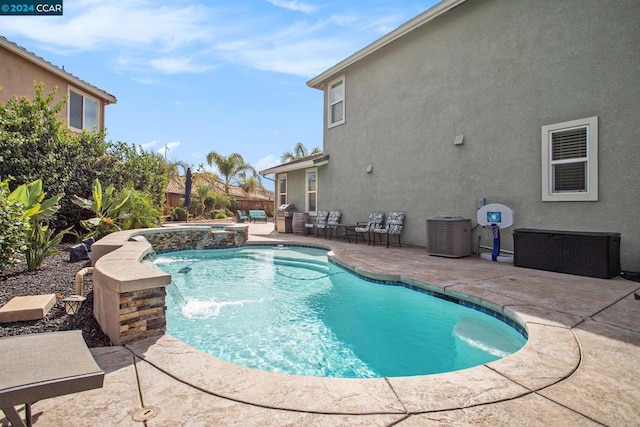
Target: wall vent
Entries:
(449, 236)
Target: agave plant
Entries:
(106, 206)
(41, 240)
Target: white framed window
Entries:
(335, 102)
(311, 190)
(82, 111)
(570, 161)
(282, 189)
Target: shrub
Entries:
(35, 144)
(179, 214)
(138, 211)
(40, 240)
(106, 206)
(13, 229)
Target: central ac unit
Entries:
(449, 236)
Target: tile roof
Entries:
(176, 186)
(61, 72)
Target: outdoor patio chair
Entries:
(319, 222)
(393, 227)
(365, 228)
(332, 221)
(242, 216)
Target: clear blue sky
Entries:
(223, 75)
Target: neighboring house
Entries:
(175, 192)
(464, 101)
(19, 69)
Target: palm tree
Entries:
(172, 168)
(202, 192)
(299, 152)
(229, 167)
(249, 183)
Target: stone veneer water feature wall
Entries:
(129, 295)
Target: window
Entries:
(312, 191)
(83, 111)
(336, 102)
(282, 188)
(570, 161)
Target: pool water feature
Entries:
(287, 309)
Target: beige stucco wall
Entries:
(17, 77)
(495, 71)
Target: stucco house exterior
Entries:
(19, 69)
(533, 105)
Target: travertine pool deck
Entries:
(579, 367)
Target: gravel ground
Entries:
(57, 276)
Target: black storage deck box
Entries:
(573, 252)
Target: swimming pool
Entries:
(287, 309)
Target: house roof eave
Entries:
(316, 160)
(426, 16)
(81, 84)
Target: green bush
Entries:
(220, 214)
(105, 206)
(40, 240)
(35, 144)
(139, 211)
(13, 229)
(179, 214)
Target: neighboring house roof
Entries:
(60, 72)
(306, 162)
(176, 186)
(425, 17)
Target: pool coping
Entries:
(551, 354)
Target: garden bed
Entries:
(55, 277)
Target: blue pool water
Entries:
(289, 310)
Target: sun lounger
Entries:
(40, 366)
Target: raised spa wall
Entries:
(129, 296)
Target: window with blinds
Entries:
(312, 191)
(282, 188)
(569, 161)
(336, 102)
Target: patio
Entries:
(578, 367)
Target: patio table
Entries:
(40, 366)
(343, 231)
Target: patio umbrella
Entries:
(187, 190)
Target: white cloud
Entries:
(294, 5)
(146, 146)
(166, 148)
(178, 65)
(89, 25)
(145, 39)
(267, 162)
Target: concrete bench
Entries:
(31, 307)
